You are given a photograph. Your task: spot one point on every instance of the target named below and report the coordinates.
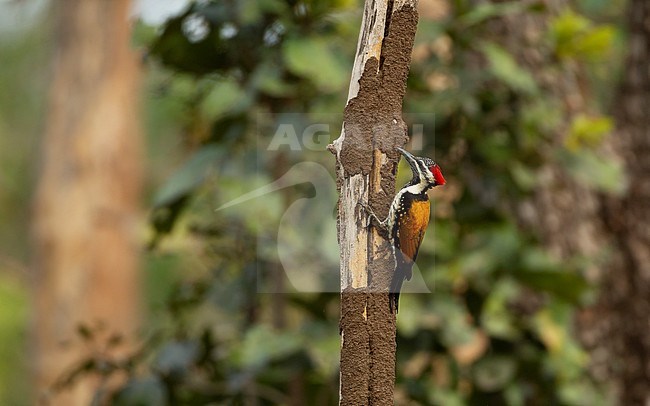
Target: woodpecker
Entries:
(408, 218)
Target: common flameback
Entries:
(408, 219)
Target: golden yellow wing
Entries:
(411, 228)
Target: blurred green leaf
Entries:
(505, 68)
(252, 11)
(496, 317)
(268, 79)
(484, 11)
(440, 396)
(553, 325)
(312, 58)
(257, 214)
(226, 96)
(141, 392)
(575, 36)
(456, 328)
(176, 358)
(409, 322)
(578, 393)
(597, 43)
(540, 119)
(14, 306)
(261, 345)
(565, 285)
(323, 343)
(494, 372)
(595, 171)
(515, 395)
(587, 131)
(525, 178)
(182, 87)
(189, 176)
(143, 34)
(567, 26)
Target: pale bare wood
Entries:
(353, 239)
(360, 245)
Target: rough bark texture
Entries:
(565, 228)
(366, 166)
(564, 213)
(573, 220)
(627, 218)
(84, 227)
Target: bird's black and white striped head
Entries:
(426, 173)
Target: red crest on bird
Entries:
(437, 175)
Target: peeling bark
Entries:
(366, 165)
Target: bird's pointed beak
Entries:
(410, 158)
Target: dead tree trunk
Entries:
(627, 220)
(366, 166)
(84, 224)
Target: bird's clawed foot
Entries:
(372, 218)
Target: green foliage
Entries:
(312, 58)
(485, 11)
(587, 131)
(225, 97)
(505, 68)
(262, 345)
(497, 328)
(24, 72)
(147, 391)
(13, 331)
(189, 177)
(493, 373)
(595, 171)
(575, 36)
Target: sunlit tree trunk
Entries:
(86, 205)
(366, 165)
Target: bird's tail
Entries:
(403, 271)
(393, 294)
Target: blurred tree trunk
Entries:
(565, 228)
(626, 298)
(366, 164)
(572, 219)
(86, 204)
